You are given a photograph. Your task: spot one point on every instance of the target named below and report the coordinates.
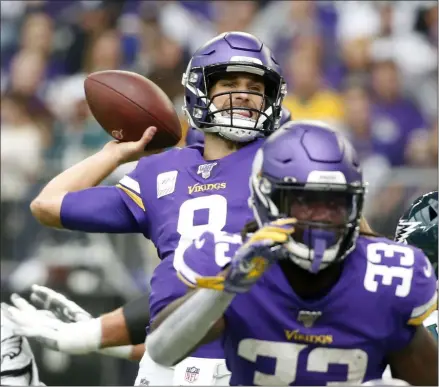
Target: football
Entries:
(125, 104)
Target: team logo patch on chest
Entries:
(191, 374)
(205, 169)
(308, 318)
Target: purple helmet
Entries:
(233, 52)
(309, 172)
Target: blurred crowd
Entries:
(368, 67)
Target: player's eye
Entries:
(229, 84)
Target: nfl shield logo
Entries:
(191, 374)
(308, 318)
(205, 169)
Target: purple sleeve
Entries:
(165, 287)
(419, 303)
(175, 275)
(98, 209)
(206, 256)
(422, 299)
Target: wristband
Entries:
(136, 315)
(81, 337)
(122, 352)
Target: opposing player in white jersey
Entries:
(18, 367)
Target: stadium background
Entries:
(370, 68)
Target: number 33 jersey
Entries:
(273, 337)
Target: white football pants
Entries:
(191, 371)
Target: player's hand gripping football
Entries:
(253, 258)
(46, 327)
(126, 152)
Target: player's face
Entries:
(319, 207)
(242, 85)
(325, 208)
(331, 208)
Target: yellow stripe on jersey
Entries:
(185, 281)
(420, 319)
(214, 283)
(136, 199)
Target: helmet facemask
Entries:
(234, 122)
(327, 216)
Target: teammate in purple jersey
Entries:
(305, 300)
(233, 93)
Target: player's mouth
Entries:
(240, 113)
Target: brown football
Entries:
(125, 104)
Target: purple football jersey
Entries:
(273, 337)
(191, 196)
(177, 195)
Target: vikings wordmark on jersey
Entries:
(383, 293)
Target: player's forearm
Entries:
(46, 207)
(417, 363)
(185, 324)
(114, 329)
(130, 352)
(106, 335)
(126, 325)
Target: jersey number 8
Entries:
(216, 205)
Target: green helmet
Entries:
(418, 226)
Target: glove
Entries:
(63, 308)
(75, 338)
(253, 258)
(81, 334)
